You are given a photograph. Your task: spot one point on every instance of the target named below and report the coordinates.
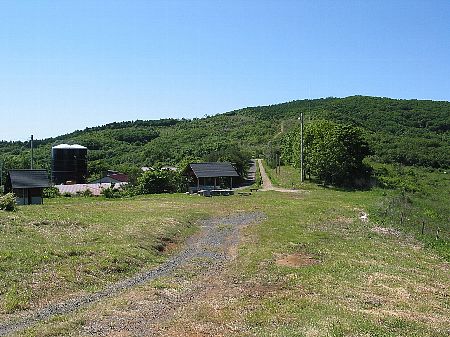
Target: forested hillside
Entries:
(409, 132)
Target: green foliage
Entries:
(232, 154)
(272, 153)
(51, 192)
(407, 132)
(333, 153)
(8, 202)
(160, 181)
(111, 193)
(86, 193)
(183, 164)
(416, 203)
(124, 191)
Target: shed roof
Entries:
(29, 178)
(212, 170)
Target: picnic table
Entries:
(210, 193)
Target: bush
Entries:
(85, 193)
(51, 192)
(8, 202)
(110, 193)
(163, 181)
(123, 191)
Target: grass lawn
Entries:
(312, 268)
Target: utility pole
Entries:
(31, 151)
(301, 148)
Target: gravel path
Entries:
(208, 251)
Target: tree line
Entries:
(407, 132)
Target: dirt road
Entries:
(267, 184)
(204, 254)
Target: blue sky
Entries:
(67, 65)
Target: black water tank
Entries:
(69, 163)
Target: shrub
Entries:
(123, 191)
(85, 193)
(163, 181)
(8, 202)
(111, 193)
(51, 192)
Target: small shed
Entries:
(27, 185)
(210, 175)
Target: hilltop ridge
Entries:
(409, 132)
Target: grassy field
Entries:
(312, 268)
(365, 281)
(68, 246)
(416, 201)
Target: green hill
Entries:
(409, 132)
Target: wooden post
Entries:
(279, 164)
(276, 163)
(215, 182)
(423, 226)
(231, 183)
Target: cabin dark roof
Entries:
(29, 178)
(212, 170)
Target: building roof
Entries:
(121, 177)
(112, 178)
(212, 170)
(67, 146)
(29, 178)
(96, 189)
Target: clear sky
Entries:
(66, 65)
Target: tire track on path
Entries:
(211, 246)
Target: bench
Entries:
(245, 194)
(253, 190)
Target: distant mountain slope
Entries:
(410, 132)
